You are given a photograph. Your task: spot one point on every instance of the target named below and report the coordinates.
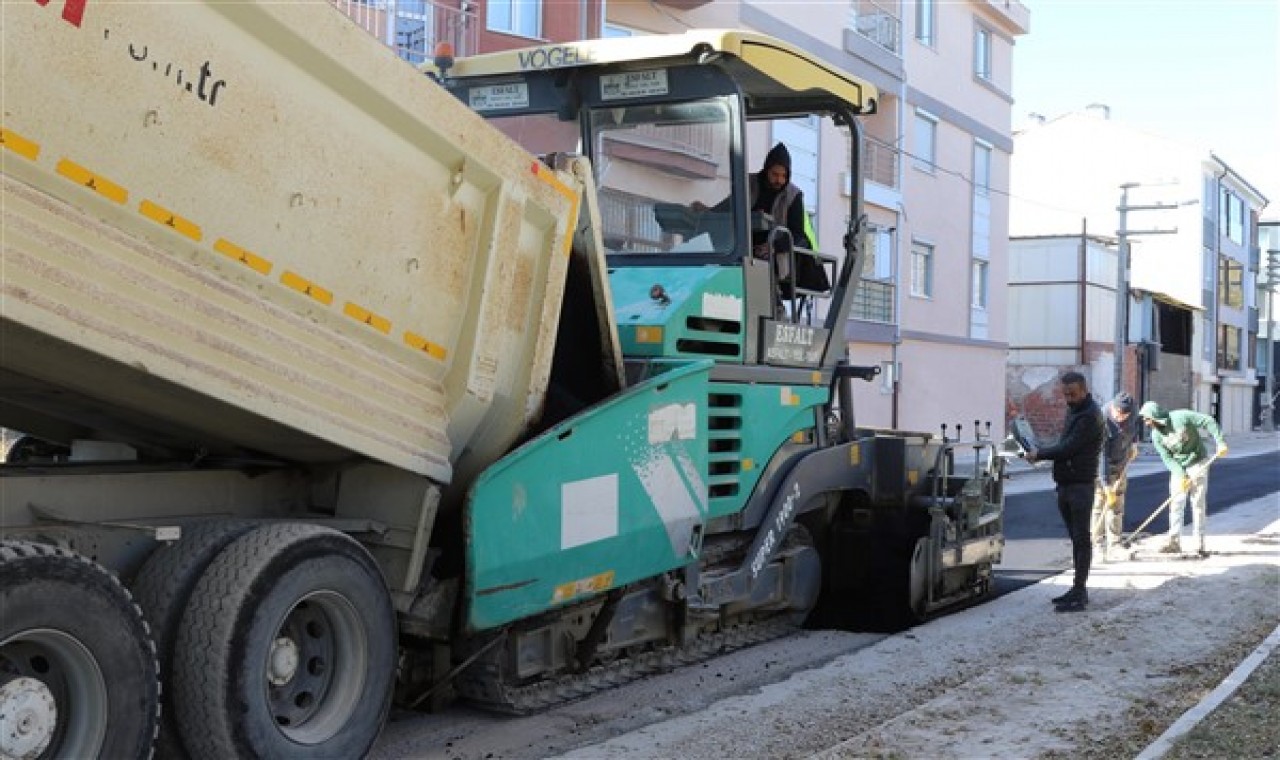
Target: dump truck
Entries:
(359, 384)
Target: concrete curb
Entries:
(1191, 718)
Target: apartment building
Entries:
(931, 310)
(1192, 228)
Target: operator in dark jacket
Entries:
(1118, 450)
(1075, 470)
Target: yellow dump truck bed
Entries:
(251, 228)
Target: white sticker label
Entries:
(588, 510)
(672, 422)
(633, 84)
(498, 96)
(722, 306)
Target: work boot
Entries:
(1064, 597)
(1100, 552)
(1173, 547)
(1073, 601)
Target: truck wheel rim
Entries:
(48, 674)
(316, 667)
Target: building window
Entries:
(926, 144)
(982, 53)
(981, 168)
(978, 298)
(1231, 216)
(522, 17)
(921, 269)
(1230, 282)
(1228, 347)
(873, 300)
(613, 31)
(924, 21)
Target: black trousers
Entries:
(1075, 504)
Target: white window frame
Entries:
(925, 145)
(981, 167)
(979, 293)
(982, 41)
(526, 17)
(926, 19)
(923, 255)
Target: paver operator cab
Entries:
(663, 121)
(344, 398)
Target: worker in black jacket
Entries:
(1075, 471)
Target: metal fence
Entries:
(413, 27)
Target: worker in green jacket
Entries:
(1177, 437)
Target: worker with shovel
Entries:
(1106, 524)
(1177, 437)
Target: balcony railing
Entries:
(879, 162)
(873, 301)
(413, 27)
(878, 22)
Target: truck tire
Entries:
(78, 669)
(162, 588)
(287, 648)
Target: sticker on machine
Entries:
(496, 97)
(673, 422)
(633, 84)
(722, 306)
(588, 510)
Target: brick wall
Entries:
(1035, 392)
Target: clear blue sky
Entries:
(1206, 71)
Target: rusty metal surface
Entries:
(304, 243)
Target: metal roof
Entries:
(766, 67)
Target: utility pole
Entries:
(1123, 233)
(1269, 390)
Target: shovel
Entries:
(1125, 542)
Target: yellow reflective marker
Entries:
(306, 287)
(361, 314)
(162, 215)
(789, 397)
(855, 455)
(748, 464)
(243, 255)
(95, 182)
(573, 589)
(648, 335)
(546, 174)
(434, 350)
(19, 144)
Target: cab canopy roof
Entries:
(772, 74)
